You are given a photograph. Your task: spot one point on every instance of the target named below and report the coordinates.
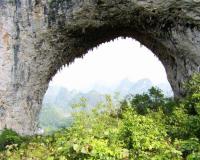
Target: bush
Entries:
(161, 129)
(152, 101)
(9, 137)
(192, 100)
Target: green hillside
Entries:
(145, 126)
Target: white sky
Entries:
(109, 64)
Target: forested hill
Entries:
(62, 97)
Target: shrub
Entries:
(153, 100)
(9, 137)
(162, 129)
(192, 100)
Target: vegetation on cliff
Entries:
(145, 126)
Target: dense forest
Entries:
(140, 126)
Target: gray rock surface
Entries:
(38, 37)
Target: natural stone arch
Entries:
(38, 37)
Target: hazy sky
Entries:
(110, 63)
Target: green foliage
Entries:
(53, 118)
(163, 129)
(193, 95)
(189, 148)
(146, 138)
(9, 137)
(153, 100)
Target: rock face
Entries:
(38, 37)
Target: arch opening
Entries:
(121, 65)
